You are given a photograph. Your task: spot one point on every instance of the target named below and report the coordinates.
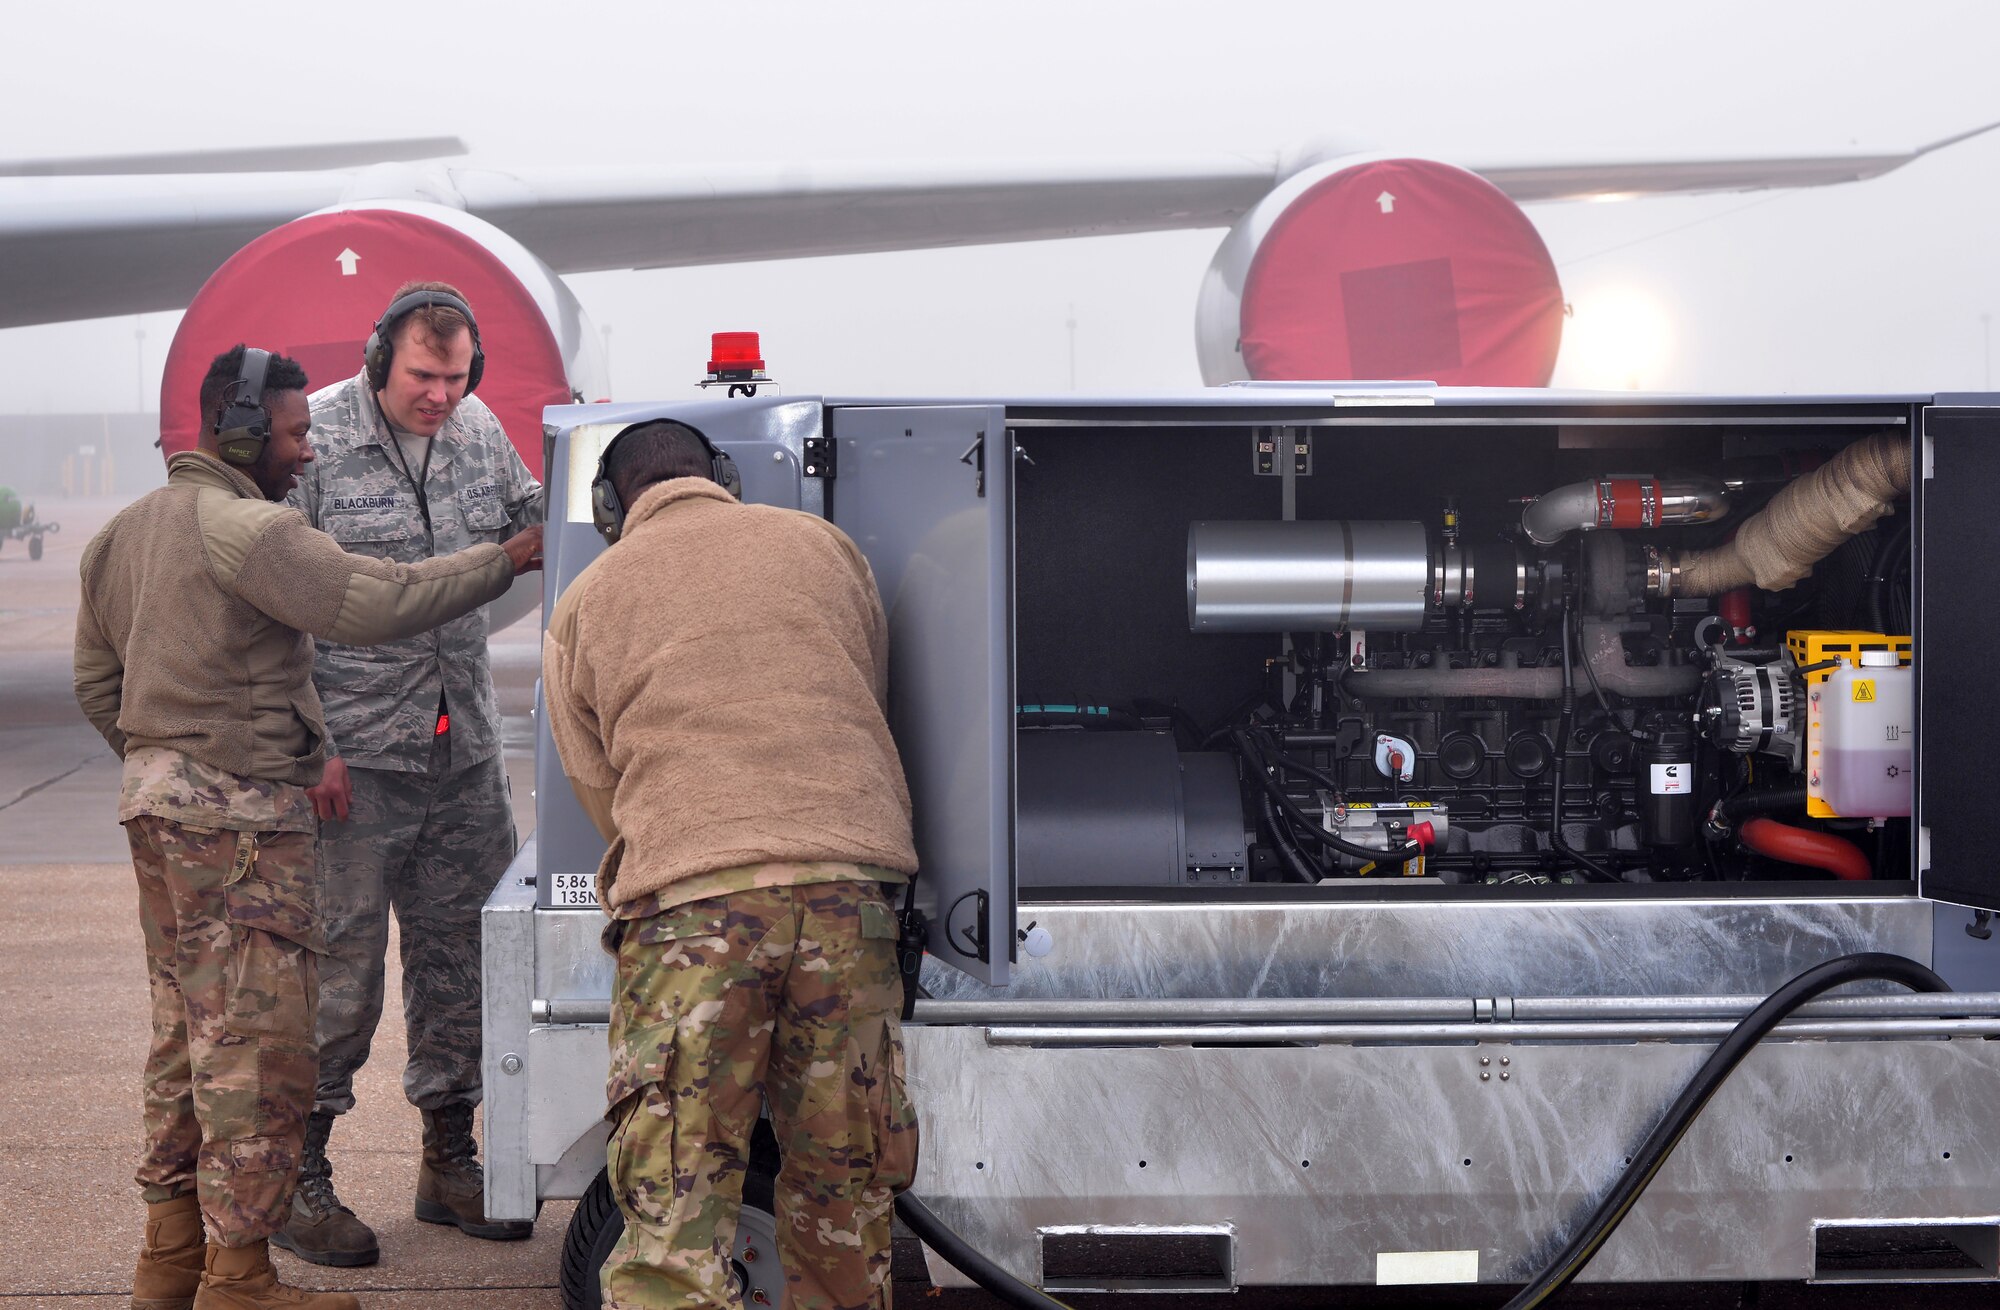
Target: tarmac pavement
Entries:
(73, 993)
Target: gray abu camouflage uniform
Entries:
(430, 831)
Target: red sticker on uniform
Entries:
(444, 724)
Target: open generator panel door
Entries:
(927, 494)
(1958, 633)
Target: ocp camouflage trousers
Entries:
(786, 992)
(230, 926)
(432, 846)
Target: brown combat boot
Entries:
(241, 1278)
(451, 1187)
(320, 1229)
(170, 1262)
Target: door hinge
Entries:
(821, 458)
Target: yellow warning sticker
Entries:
(1864, 689)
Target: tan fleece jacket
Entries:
(197, 603)
(716, 685)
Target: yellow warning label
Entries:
(1864, 689)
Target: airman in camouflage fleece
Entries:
(789, 992)
(231, 933)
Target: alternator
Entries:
(1753, 708)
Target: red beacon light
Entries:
(736, 360)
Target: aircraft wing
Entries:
(87, 246)
(79, 244)
(250, 159)
(1530, 182)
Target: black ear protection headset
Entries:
(243, 425)
(608, 512)
(380, 352)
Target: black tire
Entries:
(34, 548)
(597, 1225)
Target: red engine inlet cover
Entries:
(1403, 269)
(312, 290)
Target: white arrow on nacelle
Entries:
(348, 261)
(1387, 201)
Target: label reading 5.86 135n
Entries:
(571, 890)
(1672, 779)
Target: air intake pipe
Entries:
(1803, 524)
(1627, 502)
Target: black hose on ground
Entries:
(962, 1256)
(1708, 1080)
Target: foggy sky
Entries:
(1876, 286)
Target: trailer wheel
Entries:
(597, 1225)
(35, 547)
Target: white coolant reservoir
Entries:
(1867, 725)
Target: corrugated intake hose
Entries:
(1731, 810)
(1805, 521)
(1701, 1089)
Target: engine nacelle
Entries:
(1382, 269)
(312, 289)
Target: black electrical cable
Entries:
(1294, 859)
(1254, 761)
(1896, 582)
(1629, 729)
(1590, 867)
(1248, 705)
(1650, 1157)
(969, 1261)
(1296, 765)
(1884, 578)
